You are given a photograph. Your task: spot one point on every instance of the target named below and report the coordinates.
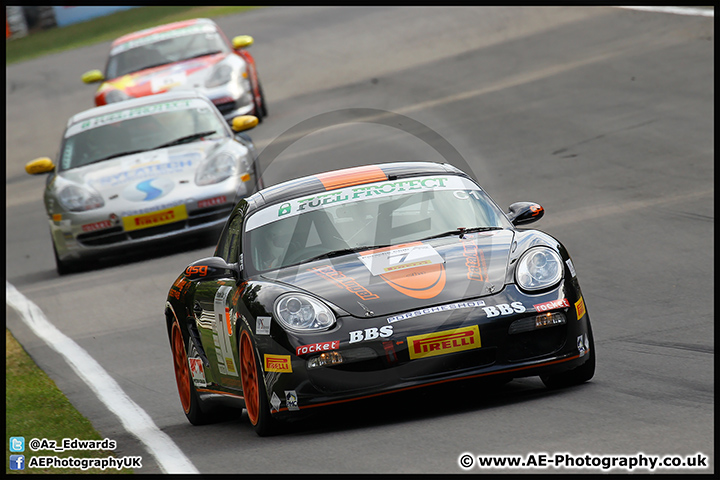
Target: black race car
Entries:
(372, 280)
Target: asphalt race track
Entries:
(602, 115)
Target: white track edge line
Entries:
(134, 419)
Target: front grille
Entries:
(226, 108)
(196, 218)
(159, 230)
(210, 214)
(535, 344)
(102, 237)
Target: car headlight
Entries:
(216, 170)
(538, 268)
(220, 76)
(300, 312)
(78, 199)
(115, 95)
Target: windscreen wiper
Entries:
(344, 251)
(114, 155)
(461, 231)
(213, 52)
(186, 139)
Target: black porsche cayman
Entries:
(372, 280)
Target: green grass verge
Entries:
(105, 28)
(36, 408)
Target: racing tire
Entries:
(258, 108)
(577, 375)
(64, 267)
(186, 389)
(263, 105)
(253, 385)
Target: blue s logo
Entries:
(152, 192)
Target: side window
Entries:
(229, 244)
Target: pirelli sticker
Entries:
(580, 308)
(278, 363)
(447, 341)
(154, 219)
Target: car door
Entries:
(214, 311)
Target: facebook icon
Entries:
(17, 462)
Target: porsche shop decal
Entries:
(438, 308)
(440, 343)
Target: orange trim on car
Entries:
(351, 176)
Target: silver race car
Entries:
(142, 171)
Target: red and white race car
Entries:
(191, 54)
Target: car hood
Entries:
(409, 276)
(147, 176)
(190, 74)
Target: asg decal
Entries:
(371, 334)
(504, 309)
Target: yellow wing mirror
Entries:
(244, 122)
(242, 41)
(93, 76)
(40, 165)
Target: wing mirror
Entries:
(244, 122)
(211, 268)
(522, 213)
(93, 76)
(39, 165)
(242, 41)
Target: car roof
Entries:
(162, 28)
(335, 179)
(135, 102)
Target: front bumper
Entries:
(434, 348)
(82, 236)
(233, 99)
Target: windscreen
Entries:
(138, 129)
(366, 216)
(164, 47)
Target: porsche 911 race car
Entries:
(143, 171)
(371, 280)
(187, 55)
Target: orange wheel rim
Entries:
(182, 372)
(249, 378)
